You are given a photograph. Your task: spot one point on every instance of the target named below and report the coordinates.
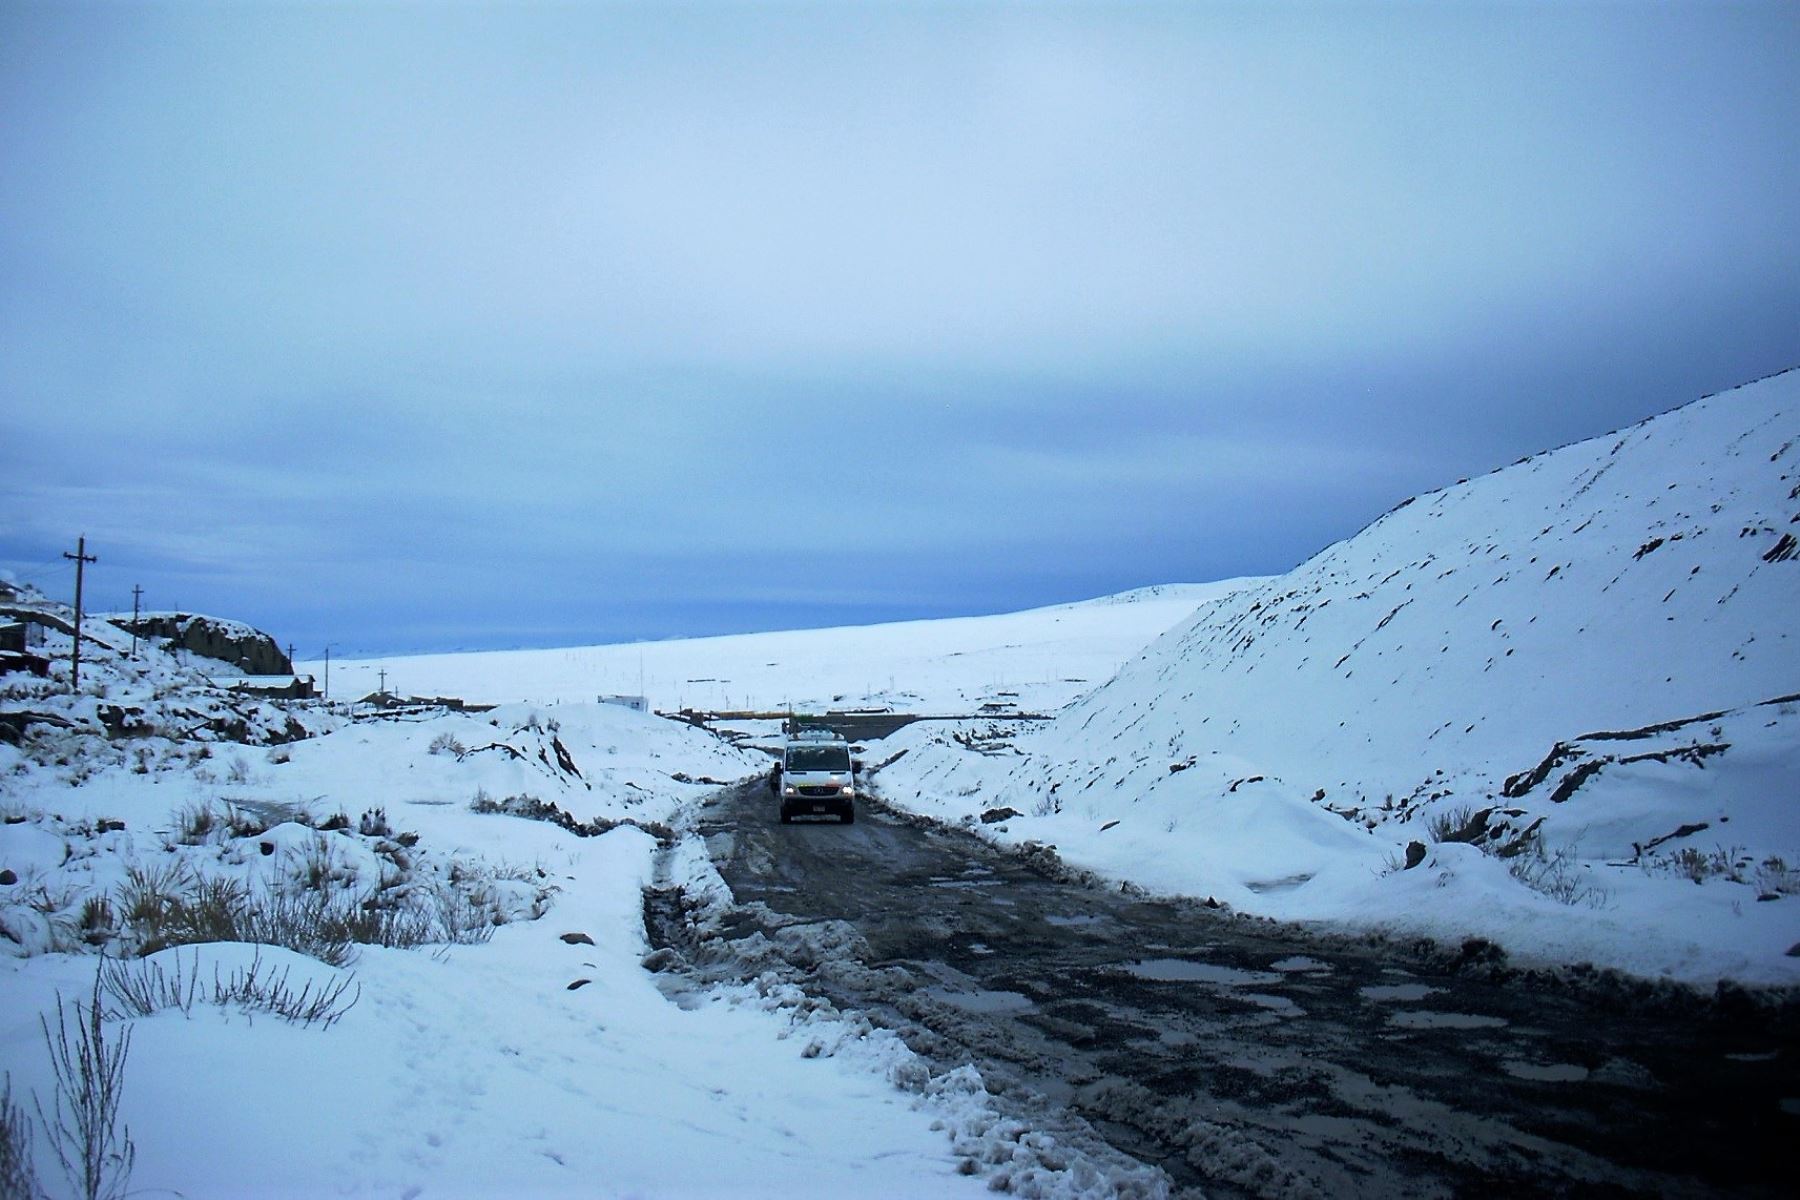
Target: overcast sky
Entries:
(480, 325)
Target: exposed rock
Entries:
(1415, 854)
(994, 816)
(249, 650)
(14, 724)
(665, 959)
(577, 939)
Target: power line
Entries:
(43, 570)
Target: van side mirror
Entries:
(856, 766)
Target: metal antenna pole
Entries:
(82, 558)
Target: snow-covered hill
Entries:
(1618, 582)
(1398, 679)
(1037, 661)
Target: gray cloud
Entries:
(471, 325)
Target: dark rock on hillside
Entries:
(249, 650)
(14, 724)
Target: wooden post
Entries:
(82, 558)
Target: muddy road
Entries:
(1249, 1059)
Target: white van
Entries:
(816, 776)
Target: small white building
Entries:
(634, 703)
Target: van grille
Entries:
(819, 790)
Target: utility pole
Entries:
(328, 671)
(383, 689)
(82, 558)
(137, 596)
(291, 656)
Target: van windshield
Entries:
(818, 758)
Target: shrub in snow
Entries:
(150, 891)
(92, 1145)
(18, 1176)
(205, 820)
(1455, 825)
(97, 922)
(321, 924)
(374, 823)
(446, 743)
(140, 988)
(1557, 874)
(1775, 878)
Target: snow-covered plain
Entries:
(1037, 661)
(1282, 749)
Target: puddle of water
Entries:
(1420, 1019)
(1545, 1072)
(1299, 962)
(1288, 884)
(1397, 991)
(982, 1001)
(967, 883)
(1181, 970)
(1070, 922)
(1622, 1072)
(1279, 1005)
(980, 948)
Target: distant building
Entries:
(634, 703)
(300, 688)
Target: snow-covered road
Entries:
(1240, 1056)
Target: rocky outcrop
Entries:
(249, 650)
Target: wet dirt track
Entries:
(1245, 1058)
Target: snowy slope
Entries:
(1039, 660)
(1610, 584)
(1282, 748)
